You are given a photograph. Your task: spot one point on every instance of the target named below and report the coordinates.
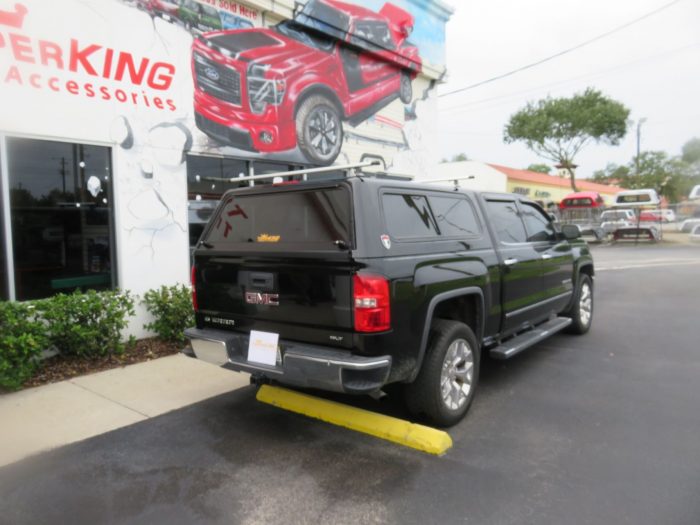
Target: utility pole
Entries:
(639, 141)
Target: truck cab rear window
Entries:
(312, 219)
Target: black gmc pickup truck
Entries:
(351, 284)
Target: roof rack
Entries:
(350, 169)
(448, 179)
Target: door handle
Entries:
(510, 262)
(546, 256)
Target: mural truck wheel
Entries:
(319, 130)
(406, 89)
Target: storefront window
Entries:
(4, 294)
(60, 205)
(266, 168)
(207, 180)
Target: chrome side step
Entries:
(527, 339)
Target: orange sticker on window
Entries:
(266, 237)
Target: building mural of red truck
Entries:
(293, 85)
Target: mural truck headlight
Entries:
(263, 90)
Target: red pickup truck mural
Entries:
(271, 90)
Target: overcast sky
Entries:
(653, 67)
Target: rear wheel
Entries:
(406, 89)
(319, 130)
(445, 386)
(581, 312)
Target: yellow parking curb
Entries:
(405, 433)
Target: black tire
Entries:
(424, 397)
(580, 322)
(319, 130)
(406, 88)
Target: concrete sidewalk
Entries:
(50, 416)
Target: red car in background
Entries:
(163, 8)
(271, 90)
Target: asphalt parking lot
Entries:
(598, 429)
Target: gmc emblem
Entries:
(270, 299)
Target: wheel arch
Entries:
(319, 89)
(453, 304)
(587, 269)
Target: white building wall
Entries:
(485, 178)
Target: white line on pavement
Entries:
(649, 265)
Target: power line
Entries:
(564, 52)
(469, 105)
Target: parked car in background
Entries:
(166, 9)
(695, 233)
(199, 16)
(231, 21)
(612, 220)
(687, 225)
(637, 198)
(583, 209)
(642, 200)
(695, 193)
(664, 215)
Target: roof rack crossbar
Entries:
(325, 169)
(448, 179)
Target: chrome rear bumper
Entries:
(299, 364)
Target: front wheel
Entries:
(445, 386)
(319, 130)
(581, 312)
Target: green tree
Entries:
(690, 154)
(691, 151)
(540, 168)
(558, 128)
(456, 158)
(667, 175)
(612, 174)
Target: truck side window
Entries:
(454, 216)
(506, 221)
(539, 228)
(408, 216)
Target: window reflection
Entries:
(208, 178)
(61, 217)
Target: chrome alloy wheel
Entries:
(585, 304)
(323, 131)
(456, 376)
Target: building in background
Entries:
(124, 123)
(550, 188)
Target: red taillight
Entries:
(371, 303)
(194, 288)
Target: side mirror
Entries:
(570, 231)
(552, 217)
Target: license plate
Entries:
(263, 348)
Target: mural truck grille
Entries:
(218, 80)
